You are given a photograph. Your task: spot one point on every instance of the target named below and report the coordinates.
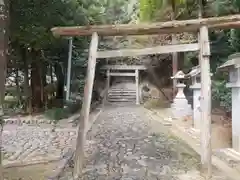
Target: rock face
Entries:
(148, 90)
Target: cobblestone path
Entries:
(122, 145)
(24, 146)
(28, 144)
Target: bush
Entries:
(57, 114)
(73, 106)
(222, 94)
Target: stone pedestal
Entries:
(196, 105)
(235, 115)
(180, 107)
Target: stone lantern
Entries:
(180, 107)
(194, 74)
(232, 66)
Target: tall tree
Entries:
(3, 48)
(173, 4)
(3, 64)
(31, 38)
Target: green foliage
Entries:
(73, 106)
(31, 21)
(222, 7)
(236, 3)
(235, 39)
(173, 3)
(150, 8)
(222, 94)
(221, 48)
(223, 44)
(32, 41)
(56, 114)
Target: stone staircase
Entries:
(122, 93)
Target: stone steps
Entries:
(120, 100)
(121, 95)
(122, 91)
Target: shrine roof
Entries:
(233, 62)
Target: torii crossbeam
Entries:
(168, 27)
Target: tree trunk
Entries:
(36, 84)
(60, 83)
(51, 73)
(52, 81)
(27, 92)
(43, 73)
(181, 58)
(19, 97)
(3, 49)
(4, 14)
(1, 158)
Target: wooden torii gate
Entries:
(195, 25)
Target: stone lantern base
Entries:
(180, 107)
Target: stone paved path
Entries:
(123, 145)
(28, 144)
(34, 151)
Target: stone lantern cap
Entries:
(179, 75)
(232, 63)
(232, 66)
(194, 72)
